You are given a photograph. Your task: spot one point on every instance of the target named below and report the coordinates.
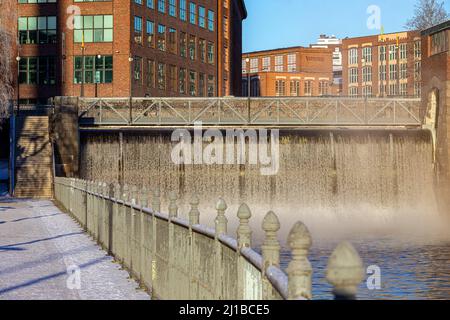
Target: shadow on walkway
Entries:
(7, 247)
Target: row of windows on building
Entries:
(294, 89)
(395, 72)
(266, 64)
(198, 15)
(172, 78)
(393, 51)
(168, 39)
(393, 89)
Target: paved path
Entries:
(39, 245)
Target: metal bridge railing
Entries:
(178, 259)
(330, 111)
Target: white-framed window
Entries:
(308, 88)
(280, 88)
(254, 65)
(367, 91)
(382, 89)
(353, 56)
(367, 74)
(392, 52)
(367, 54)
(417, 70)
(279, 64)
(418, 49)
(382, 53)
(393, 89)
(292, 63)
(393, 72)
(403, 51)
(353, 75)
(417, 89)
(382, 72)
(244, 66)
(353, 91)
(403, 71)
(403, 89)
(295, 88)
(323, 88)
(266, 64)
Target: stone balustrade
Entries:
(177, 259)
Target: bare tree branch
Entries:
(427, 13)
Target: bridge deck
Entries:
(38, 243)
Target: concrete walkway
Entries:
(44, 254)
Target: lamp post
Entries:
(96, 79)
(247, 61)
(18, 58)
(130, 60)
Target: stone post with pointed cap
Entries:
(194, 213)
(345, 271)
(244, 233)
(299, 270)
(271, 245)
(221, 220)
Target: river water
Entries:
(374, 188)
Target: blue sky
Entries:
(283, 23)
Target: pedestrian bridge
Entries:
(282, 111)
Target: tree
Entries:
(427, 13)
(7, 38)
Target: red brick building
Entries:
(382, 65)
(137, 47)
(296, 71)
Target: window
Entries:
(150, 73)
(403, 89)
(94, 28)
(323, 88)
(162, 6)
(150, 34)
(353, 91)
(211, 86)
(295, 88)
(367, 54)
(162, 37)
(403, 71)
(280, 88)
(417, 70)
(192, 83)
(173, 8)
(393, 72)
(266, 64)
(192, 44)
(202, 50)
(382, 73)
(161, 76)
(417, 49)
(136, 1)
(210, 20)
(253, 65)
(183, 44)
(172, 40)
(417, 89)
(137, 68)
(151, 4)
(353, 56)
(37, 30)
(137, 29)
(192, 13)
(367, 91)
(392, 52)
(382, 89)
(382, 53)
(183, 10)
(37, 70)
(367, 74)
(201, 84)
(96, 70)
(182, 80)
(353, 75)
(173, 78)
(292, 63)
(403, 51)
(279, 64)
(308, 88)
(210, 53)
(201, 17)
(393, 90)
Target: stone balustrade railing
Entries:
(177, 259)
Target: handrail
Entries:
(96, 205)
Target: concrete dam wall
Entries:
(333, 180)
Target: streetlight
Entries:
(96, 79)
(130, 60)
(18, 58)
(247, 60)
